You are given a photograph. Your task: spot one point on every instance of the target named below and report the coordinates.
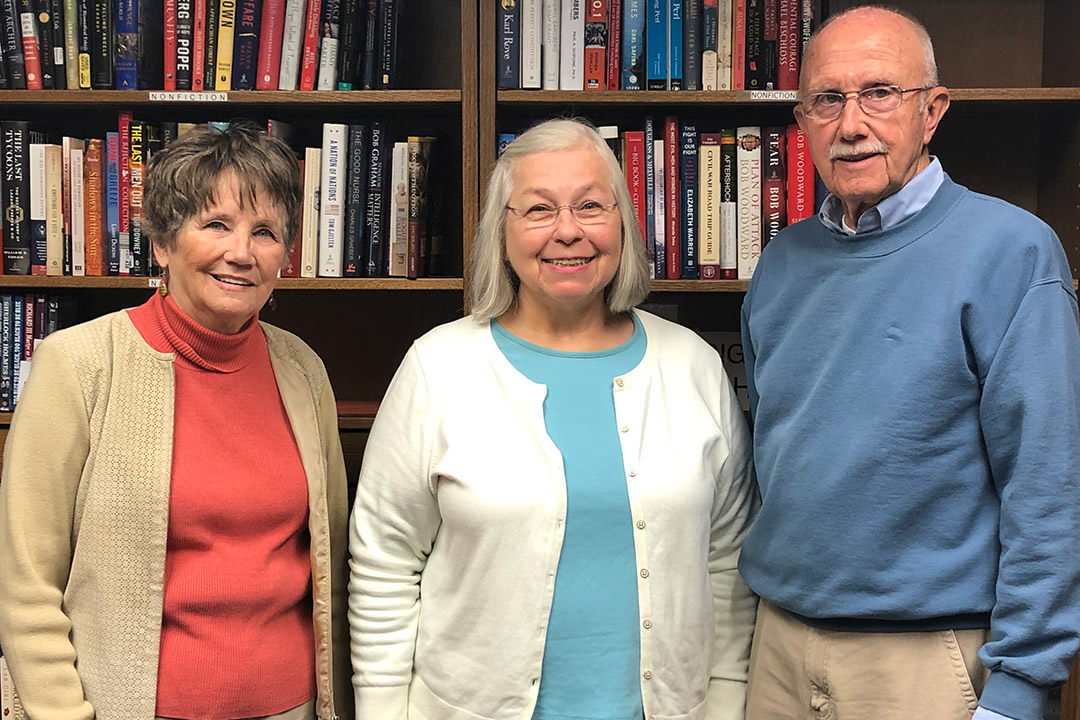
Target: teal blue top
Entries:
(592, 660)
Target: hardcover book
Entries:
(332, 199)
(633, 45)
(550, 52)
(127, 44)
(12, 44)
(328, 44)
(185, 36)
(748, 157)
(709, 207)
(774, 211)
(103, 45)
(38, 216)
(376, 250)
(508, 73)
(388, 46)
(245, 44)
(93, 193)
(572, 46)
(691, 54)
(137, 166)
(309, 252)
(596, 44)
(15, 137)
(688, 250)
(531, 33)
(399, 211)
(291, 44)
(800, 176)
(673, 198)
(420, 151)
(729, 207)
(614, 44)
(112, 203)
(226, 34)
(54, 211)
(356, 200)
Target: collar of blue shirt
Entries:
(891, 211)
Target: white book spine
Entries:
(531, 30)
(709, 193)
(399, 211)
(659, 225)
(725, 25)
(54, 211)
(572, 46)
(328, 56)
(332, 199)
(78, 216)
(552, 12)
(748, 162)
(37, 197)
(293, 35)
(708, 70)
(309, 248)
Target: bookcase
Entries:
(1013, 129)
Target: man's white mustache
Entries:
(841, 152)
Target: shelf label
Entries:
(774, 94)
(172, 96)
(153, 282)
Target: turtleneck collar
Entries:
(167, 328)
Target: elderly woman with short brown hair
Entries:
(173, 505)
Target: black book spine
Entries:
(59, 54)
(12, 39)
(15, 135)
(371, 45)
(102, 45)
(210, 73)
(691, 56)
(388, 64)
(355, 187)
(755, 36)
(349, 48)
(4, 83)
(375, 215)
(246, 44)
(185, 30)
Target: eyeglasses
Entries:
(587, 212)
(876, 100)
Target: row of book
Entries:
(653, 44)
(707, 202)
(25, 320)
(199, 45)
(74, 207)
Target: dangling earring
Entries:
(271, 302)
(163, 286)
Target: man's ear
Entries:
(800, 117)
(936, 105)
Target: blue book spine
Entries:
(509, 46)
(17, 318)
(689, 179)
(375, 254)
(691, 49)
(650, 199)
(656, 29)
(675, 45)
(112, 202)
(633, 45)
(127, 44)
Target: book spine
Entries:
(550, 52)
(271, 35)
(226, 34)
(28, 328)
(738, 45)
(12, 44)
(650, 205)
(388, 26)
(6, 368)
(355, 191)
(614, 44)
(368, 79)
(770, 44)
(31, 49)
(310, 57)
(800, 176)
(774, 214)
(65, 198)
(672, 197)
(246, 44)
(309, 252)
(635, 176)
(709, 207)
(572, 46)
(137, 167)
(596, 44)
(787, 71)
(709, 26)
(331, 200)
(103, 46)
(124, 134)
(127, 44)
(748, 148)
(38, 250)
(659, 207)
(399, 211)
(691, 27)
(92, 194)
(85, 48)
(112, 202)
(328, 52)
(729, 207)
(754, 62)
(169, 43)
(210, 71)
(18, 333)
(688, 251)
(78, 212)
(185, 35)
(675, 45)
(420, 151)
(54, 211)
(375, 216)
(291, 45)
(656, 37)
(71, 43)
(633, 45)
(16, 196)
(198, 45)
(531, 31)
(59, 49)
(350, 44)
(508, 76)
(807, 23)
(43, 15)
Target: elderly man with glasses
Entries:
(913, 360)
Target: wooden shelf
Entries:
(136, 283)
(745, 97)
(233, 98)
(701, 286)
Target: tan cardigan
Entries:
(84, 504)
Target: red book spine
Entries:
(788, 50)
(198, 46)
(124, 131)
(635, 175)
(800, 176)
(738, 47)
(614, 44)
(596, 51)
(309, 60)
(31, 56)
(28, 326)
(672, 198)
(170, 44)
(271, 37)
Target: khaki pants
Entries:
(801, 673)
(300, 712)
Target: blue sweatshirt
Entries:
(916, 403)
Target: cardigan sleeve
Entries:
(44, 456)
(734, 604)
(394, 522)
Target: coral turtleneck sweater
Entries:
(236, 633)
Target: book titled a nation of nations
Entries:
(332, 199)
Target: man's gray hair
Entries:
(493, 284)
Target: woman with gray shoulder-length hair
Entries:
(556, 487)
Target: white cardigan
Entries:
(458, 524)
